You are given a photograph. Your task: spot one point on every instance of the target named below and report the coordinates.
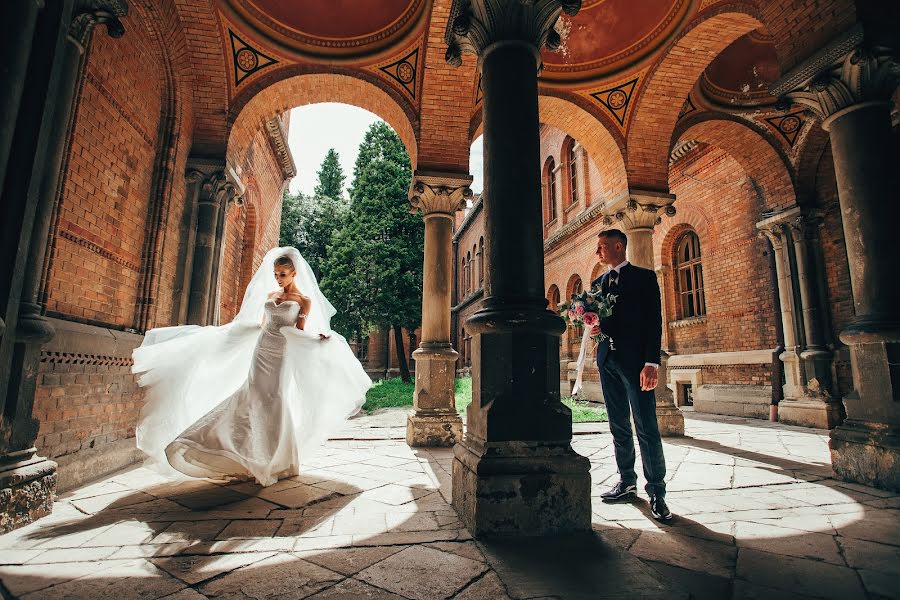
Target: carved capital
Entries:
(438, 193)
(639, 210)
(773, 233)
(844, 75)
(474, 25)
(90, 13)
(776, 227)
(217, 190)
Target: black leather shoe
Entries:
(619, 491)
(659, 509)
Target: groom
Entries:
(628, 362)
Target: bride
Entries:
(253, 397)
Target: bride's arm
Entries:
(304, 310)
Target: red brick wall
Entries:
(715, 199)
(102, 216)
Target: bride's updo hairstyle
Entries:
(285, 261)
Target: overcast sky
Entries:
(317, 127)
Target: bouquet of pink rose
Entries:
(587, 308)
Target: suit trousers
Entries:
(623, 396)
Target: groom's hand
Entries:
(649, 375)
(595, 330)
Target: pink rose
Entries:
(590, 319)
(572, 313)
(579, 310)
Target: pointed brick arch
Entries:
(667, 86)
(292, 87)
(758, 157)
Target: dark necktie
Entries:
(613, 281)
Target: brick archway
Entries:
(667, 86)
(288, 90)
(758, 157)
(594, 135)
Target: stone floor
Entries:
(758, 516)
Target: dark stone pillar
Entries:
(852, 97)
(215, 194)
(17, 49)
(515, 472)
(62, 33)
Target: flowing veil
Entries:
(188, 370)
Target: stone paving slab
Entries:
(758, 515)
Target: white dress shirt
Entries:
(618, 270)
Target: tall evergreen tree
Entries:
(291, 218)
(331, 177)
(374, 264)
(307, 223)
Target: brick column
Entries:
(434, 420)
(42, 122)
(515, 472)
(849, 86)
(638, 213)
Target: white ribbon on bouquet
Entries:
(582, 355)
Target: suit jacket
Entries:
(636, 322)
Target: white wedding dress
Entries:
(251, 398)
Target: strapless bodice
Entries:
(279, 315)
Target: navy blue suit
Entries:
(636, 330)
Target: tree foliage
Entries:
(309, 222)
(373, 270)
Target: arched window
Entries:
(481, 262)
(550, 183)
(468, 272)
(689, 276)
(572, 159)
(553, 298)
(462, 277)
(578, 287)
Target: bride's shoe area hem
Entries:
(193, 460)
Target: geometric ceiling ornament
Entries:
(788, 125)
(404, 71)
(247, 59)
(687, 108)
(617, 99)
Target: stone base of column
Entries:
(810, 412)
(434, 421)
(867, 453)
(508, 489)
(27, 485)
(433, 430)
(670, 420)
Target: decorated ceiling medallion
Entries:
(788, 125)
(688, 108)
(611, 36)
(404, 71)
(339, 30)
(617, 99)
(247, 59)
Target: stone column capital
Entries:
(435, 193)
(639, 210)
(845, 75)
(90, 13)
(474, 26)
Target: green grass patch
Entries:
(389, 393)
